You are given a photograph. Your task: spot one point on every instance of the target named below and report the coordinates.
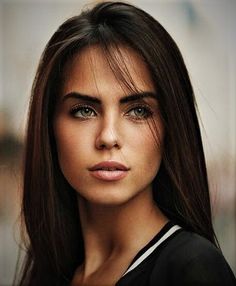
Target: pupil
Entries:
(139, 111)
(86, 111)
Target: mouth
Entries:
(109, 171)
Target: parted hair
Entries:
(54, 244)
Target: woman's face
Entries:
(108, 138)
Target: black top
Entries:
(178, 257)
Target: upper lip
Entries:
(109, 165)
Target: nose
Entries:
(108, 137)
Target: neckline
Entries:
(166, 231)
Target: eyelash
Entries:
(146, 109)
(79, 108)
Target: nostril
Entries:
(102, 146)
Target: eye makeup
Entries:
(136, 107)
(135, 111)
(139, 112)
(82, 111)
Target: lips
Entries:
(109, 171)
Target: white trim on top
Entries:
(172, 230)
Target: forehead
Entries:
(94, 72)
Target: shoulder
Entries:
(190, 259)
(187, 246)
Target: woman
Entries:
(115, 182)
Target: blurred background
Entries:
(204, 30)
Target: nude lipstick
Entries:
(109, 171)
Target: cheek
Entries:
(152, 156)
(147, 146)
(71, 138)
(148, 140)
(72, 146)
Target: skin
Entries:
(112, 213)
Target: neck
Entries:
(112, 230)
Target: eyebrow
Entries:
(125, 99)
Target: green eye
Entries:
(140, 112)
(83, 112)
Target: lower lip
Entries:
(109, 175)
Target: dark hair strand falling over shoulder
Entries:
(180, 189)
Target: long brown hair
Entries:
(180, 189)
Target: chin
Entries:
(108, 198)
